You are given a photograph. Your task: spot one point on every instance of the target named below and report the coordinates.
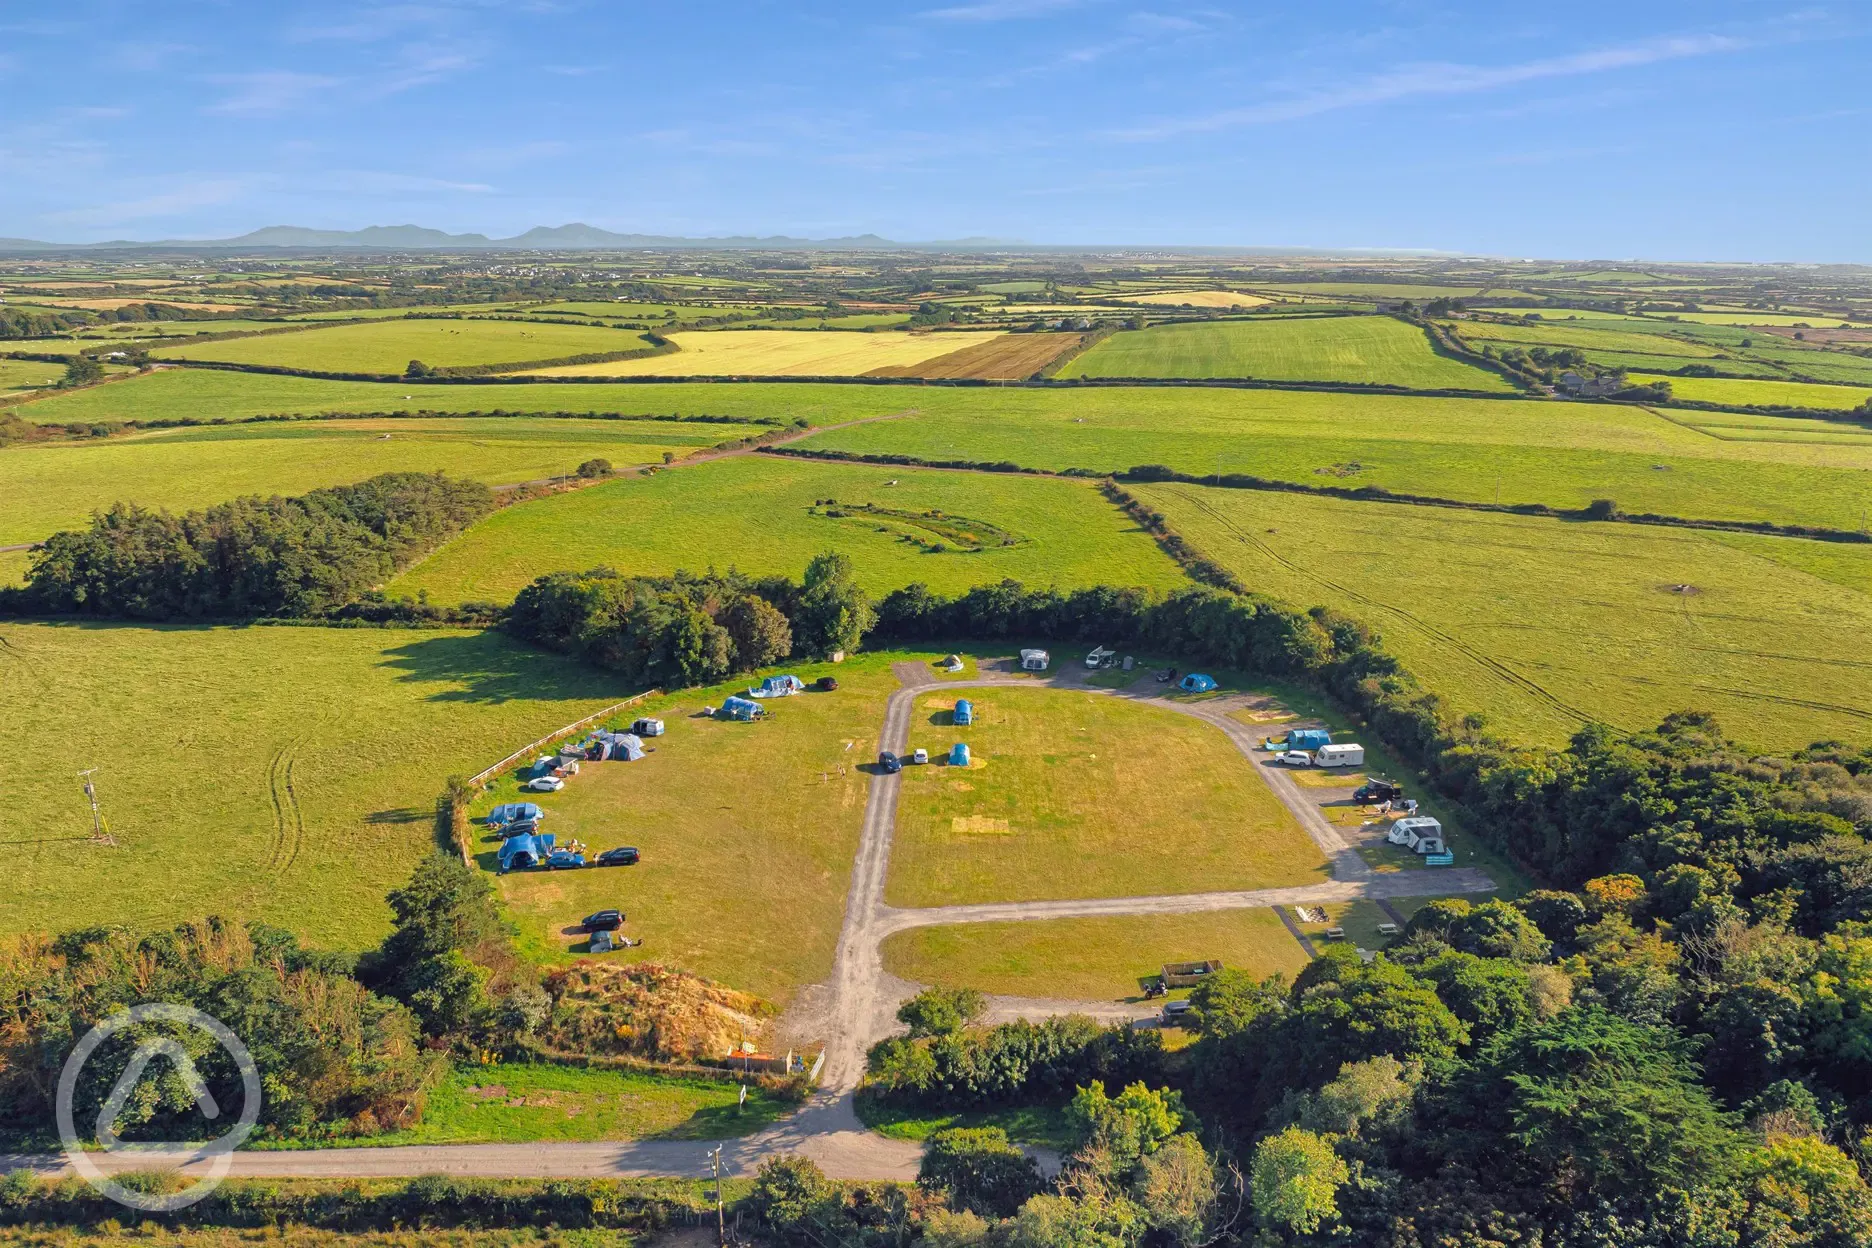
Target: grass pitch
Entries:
(747, 833)
(1350, 348)
(1543, 625)
(1075, 795)
(58, 484)
(782, 353)
(1101, 959)
(389, 346)
(757, 513)
(285, 774)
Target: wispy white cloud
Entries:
(1436, 79)
(205, 193)
(999, 10)
(269, 91)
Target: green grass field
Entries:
(58, 484)
(1543, 624)
(747, 833)
(520, 1101)
(1101, 959)
(389, 346)
(1350, 348)
(1140, 800)
(1743, 392)
(1627, 338)
(755, 512)
(1563, 454)
(286, 774)
(18, 375)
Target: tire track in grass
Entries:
(288, 820)
(279, 808)
(1784, 700)
(292, 805)
(1489, 663)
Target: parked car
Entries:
(1294, 758)
(826, 684)
(1177, 1012)
(921, 756)
(623, 856)
(564, 860)
(603, 921)
(544, 784)
(1377, 790)
(1164, 676)
(889, 762)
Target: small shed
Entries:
(959, 754)
(1188, 974)
(1196, 682)
(742, 709)
(964, 712)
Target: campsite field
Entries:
(1542, 625)
(1376, 349)
(59, 484)
(782, 353)
(1073, 794)
(285, 774)
(1101, 959)
(1744, 392)
(747, 833)
(387, 347)
(758, 513)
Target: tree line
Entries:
(253, 557)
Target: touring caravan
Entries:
(1339, 756)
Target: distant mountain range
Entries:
(574, 237)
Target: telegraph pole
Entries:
(99, 833)
(721, 1219)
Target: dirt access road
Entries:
(857, 1006)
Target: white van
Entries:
(1033, 660)
(1339, 756)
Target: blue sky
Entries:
(1659, 130)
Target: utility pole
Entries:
(721, 1219)
(99, 833)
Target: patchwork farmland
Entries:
(343, 717)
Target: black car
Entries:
(603, 921)
(623, 856)
(1374, 791)
(889, 762)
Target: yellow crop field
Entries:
(781, 353)
(1201, 299)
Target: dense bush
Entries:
(293, 557)
(1014, 1063)
(693, 629)
(332, 1056)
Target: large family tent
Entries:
(778, 687)
(518, 852)
(742, 709)
(959, 755)
(514, 812)
(621, 746)
(964, 712)
(1196, 682)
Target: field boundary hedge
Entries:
(471, 373)
(354, 1205)
(1150, 473)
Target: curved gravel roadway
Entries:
(859, 1001)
